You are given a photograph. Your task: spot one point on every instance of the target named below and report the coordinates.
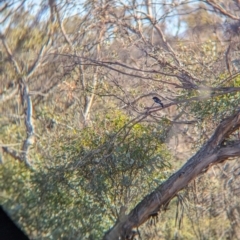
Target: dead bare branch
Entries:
(212, 152)
(217, 7)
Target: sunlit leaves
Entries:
(91, 173)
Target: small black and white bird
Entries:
(157, 100)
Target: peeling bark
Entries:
(216, 150)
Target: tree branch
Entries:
(27, 105)
(218, 8)
(28, 123)
(212, 152)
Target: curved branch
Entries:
(212, 152)
(218, 8)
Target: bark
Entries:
(216, 150)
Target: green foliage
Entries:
(89, 175)
(87, 161)
(217, 107)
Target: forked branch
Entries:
(214, 151)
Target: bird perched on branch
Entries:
(157, 100)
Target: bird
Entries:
(157, 100)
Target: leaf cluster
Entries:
(89, 175)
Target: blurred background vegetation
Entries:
(76, 86)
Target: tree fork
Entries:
(214, 151)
